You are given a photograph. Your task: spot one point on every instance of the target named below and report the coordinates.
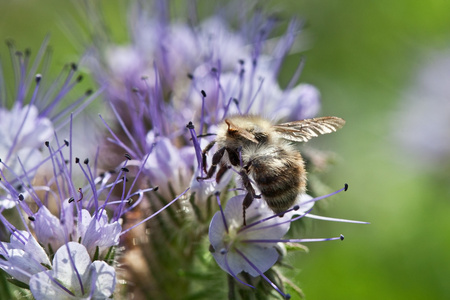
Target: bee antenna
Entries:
(205, 135)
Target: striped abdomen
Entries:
(280, 176)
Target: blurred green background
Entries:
(363, 56)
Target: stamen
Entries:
(198, 150)
(247, 227)
(345, 188)
(117, 140)
(76, 270)
(230, 271)
(81, 194)
(285, 296)
(202, 117)
(341, 237)
(156, 213)
(221, 211)
(335, 219)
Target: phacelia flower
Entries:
(78, 225)
(174, 73)
(74, 276)
(30, 117)
(254, 248)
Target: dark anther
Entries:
(47, 143)
(342, 237)
(38, 78)
(27, 52)
(79, 78)
(190, 76)
(214, 70)
(345, 187)
(156, 188)
(241, 61)
(236, 101)
(86, 161)
(21, 197)
(190, 125)
(77, 160)
(31, 218)
(216, 193)
(254, 62)
(126, 170)
(74, 66)
(88, 92)
(296, 207)
(71, 199)
(211, 248)
(203, 93)
(66, 161)
(19, 53)
(223, 251)
(66, 142)
(127, 156)
(129, 201)
(135, 90)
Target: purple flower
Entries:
(74, 276)
(255, 248)
(199, 73)
(34, 114)
(23, 257)
(426, 102)
(78, 224)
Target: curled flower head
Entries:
(77, 224)
(34, 114)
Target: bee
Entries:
(265, 153)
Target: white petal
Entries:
(64, 265)
(104, 277)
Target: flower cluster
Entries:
(166, 92)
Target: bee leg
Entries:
(245, 204)
(223, 168)
(216, 159)
(233, 155)
(206, 150)
(248, 200)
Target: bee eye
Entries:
(261, 137)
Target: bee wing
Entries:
(304, 130)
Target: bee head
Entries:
(237, 132)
